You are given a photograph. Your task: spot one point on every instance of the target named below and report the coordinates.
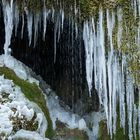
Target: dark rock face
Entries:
(66, 75)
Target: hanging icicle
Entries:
(8, 21)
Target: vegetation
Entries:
(87, 7)
(129, 46)
(32, 92)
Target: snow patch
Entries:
(24, 134)
(17, 67)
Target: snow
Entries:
(24, 134)
(14, 104)
(82, 124)
(17, 67)
(39, 119)
(5, 124)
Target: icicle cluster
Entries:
(111, 77)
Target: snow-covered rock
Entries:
(17, 67)
(14, 106)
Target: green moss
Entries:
(32, 92)
(87, 7)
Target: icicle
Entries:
(44, 21)
(101, 65)
(139, 120)
(45, 16)
(114, 92)
(134, 6)
(139, 113)
(139, 7)
(76, 30)
(121, 90)
(55, 36)
(8, 21)
(95, 56)
(130, 102)
(75, 8)
(110, 26)
(30, 25)
(53, 12)
(62, 17)
(135, 116)
(88, 42)
(59, 26)
(22, 28)
(72, 61)
(16, 18)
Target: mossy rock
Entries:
(31, 92)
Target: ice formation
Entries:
(8, 21)
(109, 72)
(103, 69)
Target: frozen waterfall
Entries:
(106, 65)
